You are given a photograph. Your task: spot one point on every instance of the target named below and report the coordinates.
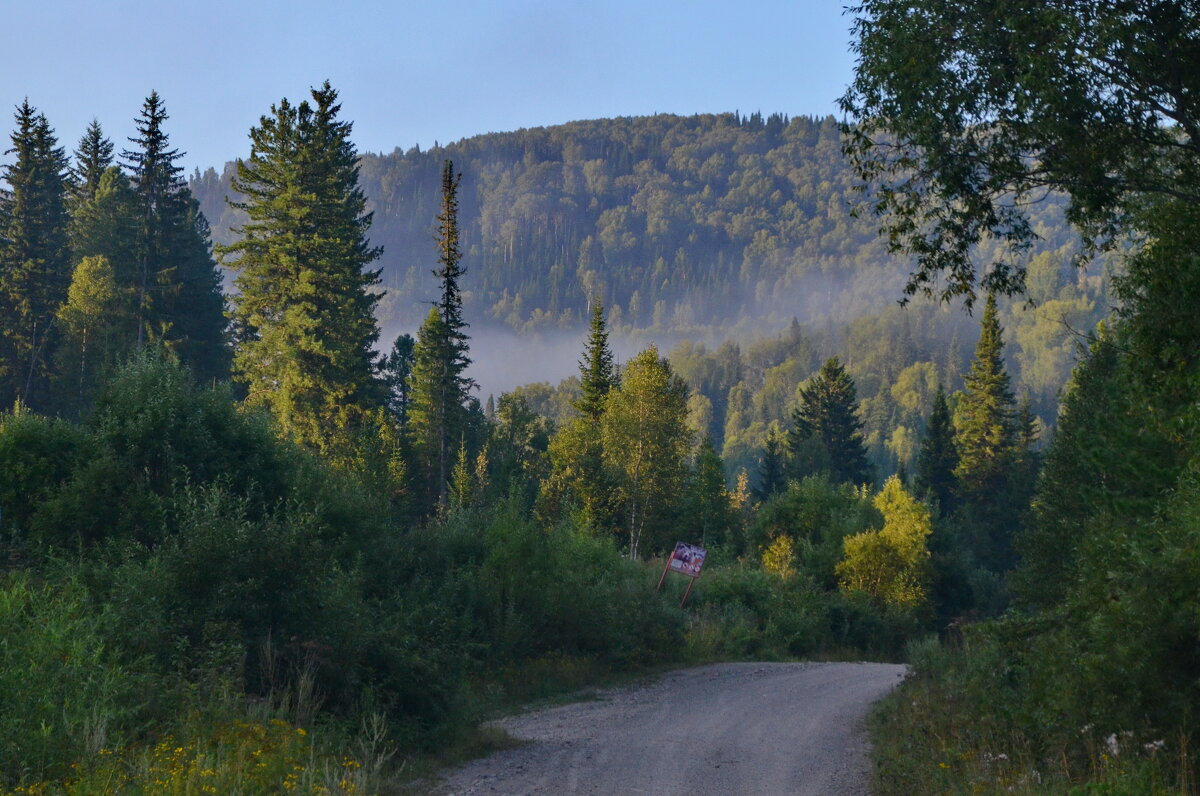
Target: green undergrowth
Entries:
(189, 604)
(960, 724)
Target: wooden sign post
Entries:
(686, 559)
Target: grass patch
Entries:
(951, 727)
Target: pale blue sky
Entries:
(413, 72)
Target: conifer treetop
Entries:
(93, 156)
(598, 373)
(938, 456)
(986, 414)
(152, 162)
(828, 412)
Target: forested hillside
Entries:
(731, 239)
(679, 224)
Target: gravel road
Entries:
(752, 728)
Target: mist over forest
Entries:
(704, 230)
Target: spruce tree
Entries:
(179, 304)
(772, 477)
(304, 313)
(989, 472)
(93, 157)
(707, 515)
(439, 412)
(828, 416)
(156, 178)
(462, 489)
(34, 257)
(985, 416)
(597, 371)
(1106, 461)
(579, 478)
(938, 457)
(397, 377)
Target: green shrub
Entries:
(566, 590)
(818, 515)
(64, 696)
(972, 718)
(37, 455)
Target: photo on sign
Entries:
(688, 559)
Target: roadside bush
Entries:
(560, 589)
(743, 612)
(1099, 691)
(1132, 619)
(64, 695)
(264, 579)
(968, 720)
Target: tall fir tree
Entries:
(993, 492)
(579, 478)
(439, 414)
(179, 302)
(156, 178)
(597, 371)
(396, 370)
(707, 516)
(93, 157)
(304, 314)
(985, 416)
(828, 416)
(938, 456)
(772, 470)
(34, 258)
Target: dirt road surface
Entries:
(737, 728)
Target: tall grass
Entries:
(956, 726)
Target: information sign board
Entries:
(687, 559)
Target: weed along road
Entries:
(736, 728)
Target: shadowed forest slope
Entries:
(680, 225)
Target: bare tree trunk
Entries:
(82, 363)
(33, 349)
(634, 536)
(635, 531)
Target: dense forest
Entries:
(245, 550)
(962, 116)
(250, 545)
(731, 240)
(678, 224)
